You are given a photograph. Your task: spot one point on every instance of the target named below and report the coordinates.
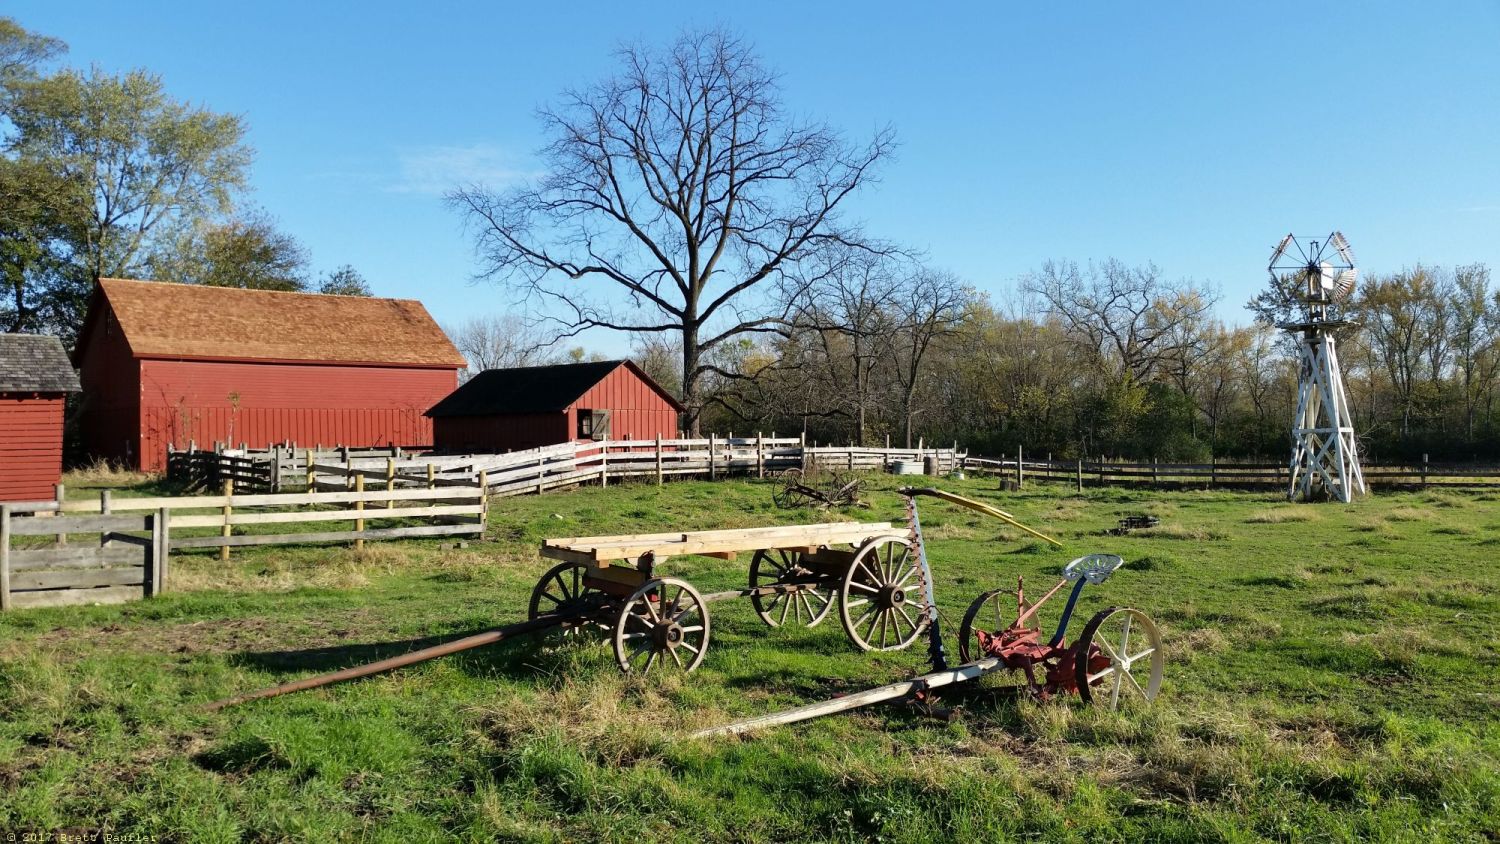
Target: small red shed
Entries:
(178, 363)
(35, 379)
(527, 407)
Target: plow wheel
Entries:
(880, 600)
(789, 493)
(664, 623)
(987, 613)
(562, 589)
(807, 605)
(1119, 656)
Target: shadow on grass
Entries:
(518, 657)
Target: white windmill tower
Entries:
(1325, 458)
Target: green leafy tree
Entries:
(150, 163)
(246, 251)
(344, 281)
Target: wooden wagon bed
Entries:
(602, 551)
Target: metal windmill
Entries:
(1316, 274)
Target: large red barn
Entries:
(526, 407)
(35, 379)
(179, 363)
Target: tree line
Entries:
(107, 175)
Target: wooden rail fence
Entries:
(1226, 474)
(570, 464)
(127, 560)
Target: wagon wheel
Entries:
(880, 593)
(1109, 654)
(986, 609)
(772, 568)
(562, 590)
(665, 622)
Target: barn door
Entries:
(600, 427)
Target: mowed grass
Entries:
(1333, 675)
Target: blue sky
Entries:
(1192, 135)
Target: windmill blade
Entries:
(1280, 250)
(1343, 284)
(1341, 245)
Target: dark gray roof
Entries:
(532, 389)
(33, 363)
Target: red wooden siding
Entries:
(262, 404)
(507, 432)
(637, 411)
(31, 431)
(110, 411)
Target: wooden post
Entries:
(359, 521)
(802, 451)
(1424, 471)
(1213, 472)
(1080, 476)
(1155, 479)
(658, 460)
(228, 511)
(484, 496)
(760, 455)
(603, 465)
(312, 478)
(58, 492)
(390, 479)
(1020, 473)
(105, 509)
(711, 456)
(431, 476)
(4, 557)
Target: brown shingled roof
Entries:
(160, 319)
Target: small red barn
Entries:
(178, 363)
(526, 407)
(35, 378)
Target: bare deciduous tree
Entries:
(498, 341)
(1124, 318)
(675, 191)
(931, 304)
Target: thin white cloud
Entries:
(435, 170)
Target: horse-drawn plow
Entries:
(875, 575)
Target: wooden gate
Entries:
(43, 563)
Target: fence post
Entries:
(603, 465)
(390, 479)
(658, 459)
(1424, 471)
(1020, 472)
(359, 505)
(1080, 476)
(802, 451)
(711, 439)
(431, 476)
(760, 456)
(228, 511)
(4, 557)
(58, 493)
(484, 498)
(312, 477)
(105, 509)
(1213, 472)
(1155, 480)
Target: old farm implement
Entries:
(875, 575)
(798, 489)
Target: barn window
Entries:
(593, 424)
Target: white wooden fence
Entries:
(569, 464)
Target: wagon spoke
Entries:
(785, 605)
(909, 572)
(694, 629)
(691, 648)
(650, 658)
(867, 571)
(675, 658)
(913, 624)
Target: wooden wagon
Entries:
(798, 575)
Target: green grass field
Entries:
(1333, 675)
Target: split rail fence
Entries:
(123, 559)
